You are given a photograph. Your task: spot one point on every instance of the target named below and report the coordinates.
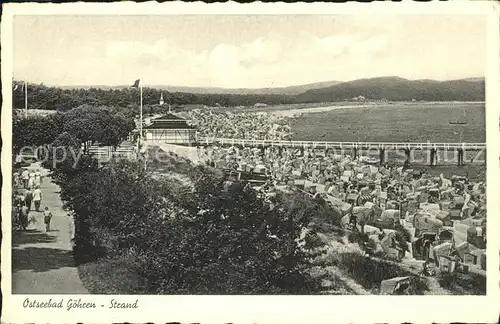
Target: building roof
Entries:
(168, 117)
(169, 125)
(169, 121)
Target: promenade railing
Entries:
(330, 144)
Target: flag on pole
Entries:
(25, 98)
(137, 84)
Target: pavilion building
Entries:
(171, 129)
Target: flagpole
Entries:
(140, 127)
(145, 158)
(25, 98)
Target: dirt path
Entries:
(42, 262)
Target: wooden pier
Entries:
(339, 145)
(356, 148)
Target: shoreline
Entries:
(294, 112)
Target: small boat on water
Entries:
(460, 122)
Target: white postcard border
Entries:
(268, 309)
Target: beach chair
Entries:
(446, 264)
(352, 197)
(397, 285)
(434, 195)
(455, 214)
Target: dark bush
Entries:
(418, 286)
(234, 244)
(474, 284)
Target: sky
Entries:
(245, 51)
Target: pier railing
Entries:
(357, 145)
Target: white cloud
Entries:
(283, 61)
(254, 53)
(224, 56)
(264, 60)
(371, 46)
(261, 51)
(121, 49)
(334, 45)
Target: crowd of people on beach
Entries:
(327, 172)
(28, 198)
(253, 126)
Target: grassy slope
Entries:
(110, 277)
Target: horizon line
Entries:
(247, 88)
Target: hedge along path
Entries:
(43, 262)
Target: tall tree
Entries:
(34, 131)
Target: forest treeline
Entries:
(54, 98)
(392, 89)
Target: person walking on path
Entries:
(19, 160)
(20, 180)
(19, 203)
(31, 181)
(28, 198)
(47, 217)
(45, 263)
(37, 198)
(18, 198)
(38, 178)
(26, 177)
(23, 217)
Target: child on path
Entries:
(47, 217)
(37, 198)
(15, 179)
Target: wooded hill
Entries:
(399, 89)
